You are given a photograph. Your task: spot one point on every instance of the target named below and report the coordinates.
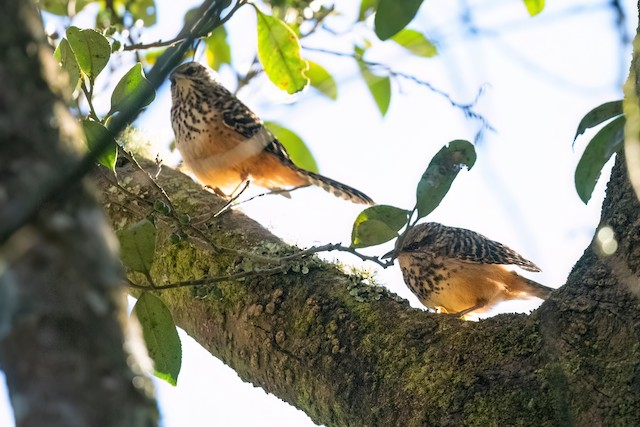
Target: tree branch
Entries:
(348, 353)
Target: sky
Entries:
(540, 76)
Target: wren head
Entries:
(417, 236)
(193, 72)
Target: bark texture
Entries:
(61, 303)
(348, 353)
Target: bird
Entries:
(225, 144)
(458, 271)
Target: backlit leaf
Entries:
(61, 7)
(598, 115)
(145, 10)
(64, 54)
(131, 84)
(366, 8)
(379, 86)
(279, 54)
(97, 135)
(218, 51)
(138, 245)
(604, 144)
(439, 175)
(416, 43)
(393, 15)
(323, 81)
(377, 224)
(91, 48)
(534, 7)
(160, 335)
(295, 146)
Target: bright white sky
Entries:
(541, 76)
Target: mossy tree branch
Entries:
(350, 354)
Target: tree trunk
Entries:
(62, 309)
(348, 353)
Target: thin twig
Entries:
(337, 247)
(224, 208)
(271, 193)
(467, 108)
(181, 38)
(212, 280)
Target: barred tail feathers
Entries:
(336, 188)
(523, 285)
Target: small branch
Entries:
(467, 109)
(182, 37)
(88, 93)
(211, 280)
(337, 247)
(226, 206)
(271, 193)
(159, 43)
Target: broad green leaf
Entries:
(600, 114)
(131, 84)
(218, 51)
(534, 7)
(393, 15)
(379, 86)
(377, 224)
(144, 10)
(604, 144)
(138, 245)
(160, 336)
(279, 54)
(61, 7)
(68, 61)
(295, 146)
(91, 48)
(96, 134)
(320, 79)
(416, 43)
(366, 7)
(439, 175)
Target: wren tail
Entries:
(336, 188)
(537, 290)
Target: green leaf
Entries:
(132, 83)
(393, 15)
(218, 51)
(144, 10)
(66, 58)
(377, 224)
(416, 43)
(439, 175)
(295, 146)
(160, 336)
(600, 114)
(279, 54)
(320, 79)
(379, 87)
(534, 7)
(96, 134)
(91, 48)
(138, 245)
(366, 7)
(61, 7)
(604, 144)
